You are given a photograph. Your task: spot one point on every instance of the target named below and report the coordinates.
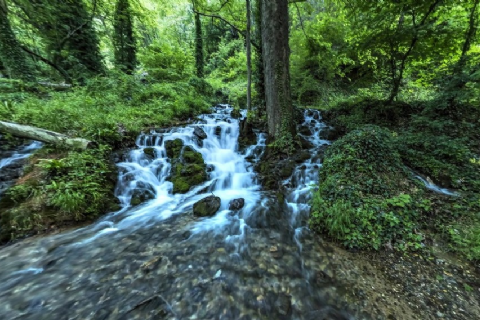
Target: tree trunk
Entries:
(259, 75)
(198, 46)
(12, 56)
(249, 59)
(46, 136)
(123, 39)
(276, 53)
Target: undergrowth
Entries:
(438, 142)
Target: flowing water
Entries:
(11, 163)
(157, 261)
(23, 153)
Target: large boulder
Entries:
(207, 207)
(174, 148)
(188, 167)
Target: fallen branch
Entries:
(46, 136)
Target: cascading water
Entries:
(157, 261)
(11, 164)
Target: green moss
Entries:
(188, 167)
(174, 148)
(366, 198)
(149, 152)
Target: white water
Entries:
(432, 186)
(21, 154)
(106, 257)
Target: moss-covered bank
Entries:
(58, 188)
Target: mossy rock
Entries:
(207, 207)
(149, 152)
(174, 148)
(188, 168)
(140, 196)
(236, 114)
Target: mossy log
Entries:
(46, 136)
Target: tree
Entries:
(259, 75)
(198, 46)
(276, 52)
(12, 57)
(123, 39)
(249, 58)
(68, 33)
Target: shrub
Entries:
(366, 198)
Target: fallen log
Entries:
(55, 138)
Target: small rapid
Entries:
(156, 260)
(12, 162)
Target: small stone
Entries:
(440, 315)
(273, 249)
(236, 204)
(218, 274)
(199, 133)
(206, 207)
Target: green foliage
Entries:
(228, 73)
(167, 62)
(107, 110)
(366, 198)
(76, 186)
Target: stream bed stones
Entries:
(207, 207)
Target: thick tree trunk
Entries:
(249, 59)
(276, 53)
(46, 136)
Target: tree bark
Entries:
(46, 136)
(259, 75)
(199, 59)
(276, 53)
(249, 59)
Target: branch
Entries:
(51, 64)
(227, 22)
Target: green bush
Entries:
(366, 198)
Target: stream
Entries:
(157, 261)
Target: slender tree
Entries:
(198, 46)
(12, 57)
(123, 39)
(276, 53)
(249, 57)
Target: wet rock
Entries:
(199, 133)
(149, 152)
(236, 204)
(174, 148)
(206, 207)
(330, 134)
(305, 130)
(218, 131)
(188, 167)
(283, 304)
(305, 143)
(236, 114)
(302, 157)
(141, 195)
(287, 170)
